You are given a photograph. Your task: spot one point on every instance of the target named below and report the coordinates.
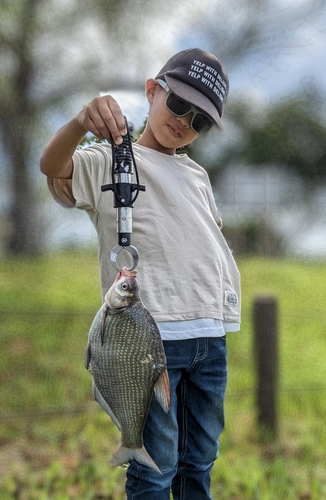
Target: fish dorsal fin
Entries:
(162, 390)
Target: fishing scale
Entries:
(125, 194)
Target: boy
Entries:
(189, 280)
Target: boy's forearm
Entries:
(56, 159)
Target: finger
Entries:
(103, 117)
(113, 121)
(88, 120)
(95, 131)
(94, 123)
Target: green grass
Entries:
(56, 443)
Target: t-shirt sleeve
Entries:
(215, 211)
(90, 165)
(212, 204)
(61, 190)
(84, 189)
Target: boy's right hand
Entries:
(104, 118)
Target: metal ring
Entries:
(133, 252)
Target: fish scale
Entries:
(123, 366)
(126, 357)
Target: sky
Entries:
(300, 53)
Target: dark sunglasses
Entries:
(199, 121)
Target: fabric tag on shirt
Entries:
(231, 299)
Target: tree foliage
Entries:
(290, 133)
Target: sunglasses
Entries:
(199, 121)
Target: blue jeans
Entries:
(184, 442)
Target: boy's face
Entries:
(167, 131)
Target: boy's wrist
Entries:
(77, 128)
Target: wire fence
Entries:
(87, 408)
(93, 408)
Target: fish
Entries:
(126, 358)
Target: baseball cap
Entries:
(198, 77)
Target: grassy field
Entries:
(56, 443)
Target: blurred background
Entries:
(268, 171)
(267, 166)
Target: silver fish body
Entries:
(126, 357)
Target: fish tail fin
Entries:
(162, 390)
(123, 455)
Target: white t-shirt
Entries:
(186, 270)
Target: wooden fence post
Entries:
(267, 364)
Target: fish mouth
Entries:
(125, 272)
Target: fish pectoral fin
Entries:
(88, 356)
(104, 315)
(162, 390)
(101, 401)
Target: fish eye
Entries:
(124, 286)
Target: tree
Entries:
(16, 115)
(290, 133)
(32, 60)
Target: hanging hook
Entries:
(133, 252)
